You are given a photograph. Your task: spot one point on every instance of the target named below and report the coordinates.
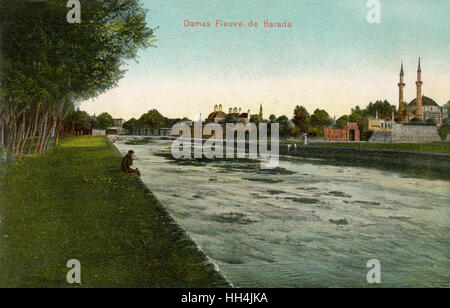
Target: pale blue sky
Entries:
(331, 58)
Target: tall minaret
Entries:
(419, 83)
(401, 85)
(260, 112)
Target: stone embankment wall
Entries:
(437, 163)
(415, 133)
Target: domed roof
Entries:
(217, 114)
(426, 101)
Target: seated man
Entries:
(127, 163)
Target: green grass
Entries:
(435, 147)
(73, 202)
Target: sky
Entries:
(331, 58)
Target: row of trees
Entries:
(152, 119)
(47, 64)
(81, 121)
(301, 122)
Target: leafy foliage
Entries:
(152, 119)
(104, 120)
(301, 117)
(48, 63)
(443, 131)
(79, 120)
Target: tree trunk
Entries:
(27, 137)
(41, 132)
(33, 134)
(59, 125)
(41, 146)
(13, 140)
(7, 133)
(21, 135)
(3, 131)
(51, 132)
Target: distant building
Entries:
(421, 108)
(118, 122)
(164, 131)
(117, 129)
(349, 133)
(431, 111)
(379, 125)
(98, 132)
(217, 115)
(233, 113)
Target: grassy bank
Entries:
(74, 203)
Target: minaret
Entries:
(401, 85)
(419, 83)
(260, 111)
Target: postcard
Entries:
(253, 145)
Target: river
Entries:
(305, 224)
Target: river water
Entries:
(305, 224)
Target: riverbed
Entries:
(306, 223)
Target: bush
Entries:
(443, 131)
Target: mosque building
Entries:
(421, 109)
(218, 115)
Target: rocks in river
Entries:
(339, 222)
(264, 180)
(276, 171)
(276, 192)
(258, 196)
(139, 141)
(339, 194)
(402, 218)
(304, 200)
(233, 217)
(308, 188)
(367, 202)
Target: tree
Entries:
(384, 109)
(356, 118)
(104, 120)
(443, 131)
(272, 118)
(47, 63)
(254, 118)
(320, 118)
(77, 121)
(318, 121)
(286, 126)
(300, 119)
(342, 121)
(131, 123)
(152, 119)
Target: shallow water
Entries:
(304, 224)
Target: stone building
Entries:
(349, 133)
(217, 115)
(375, 125)
(118, 122)
(233, 113)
